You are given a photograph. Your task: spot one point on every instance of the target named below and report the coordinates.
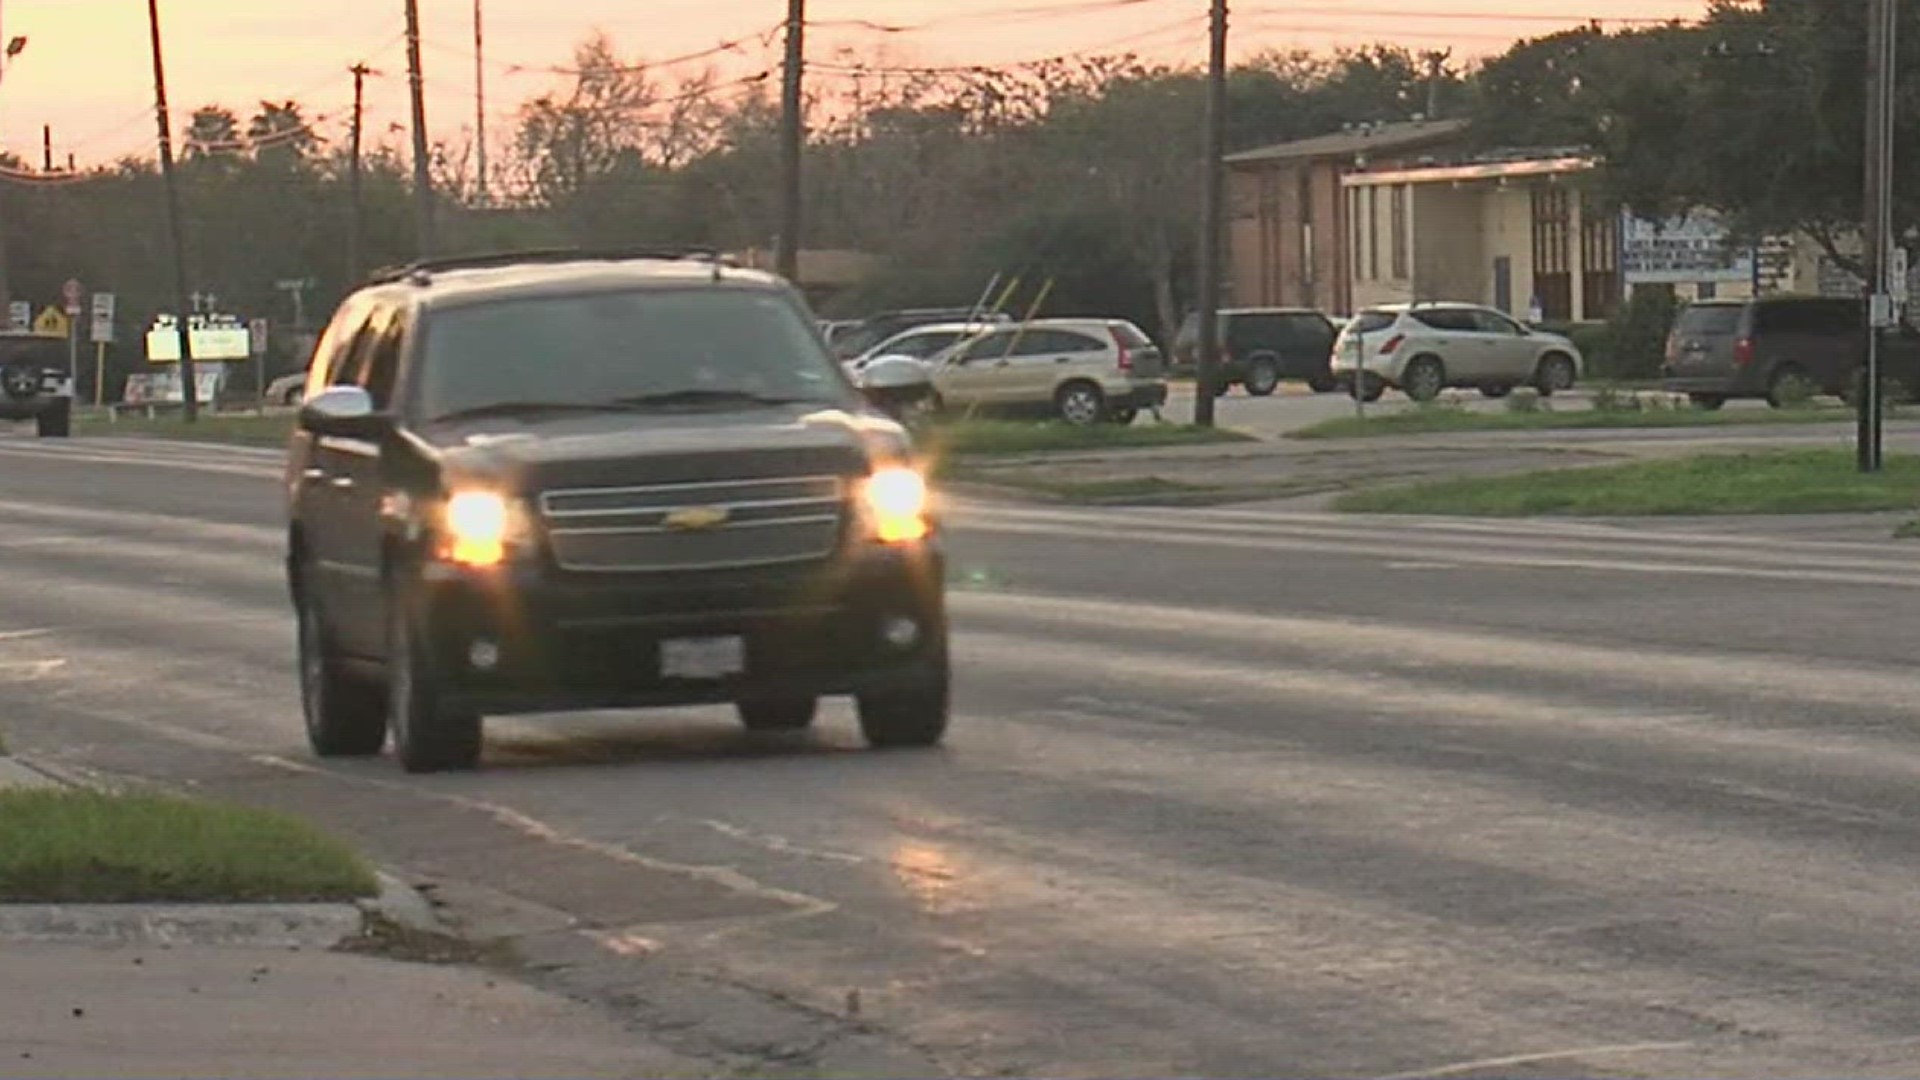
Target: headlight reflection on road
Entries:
(928, 874)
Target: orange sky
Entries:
(87, 70)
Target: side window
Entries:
(331, 352)
(383, 363)
(1490, 322)
(1052, 342)
(993, 345)
(1449, 319)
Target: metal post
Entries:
(480, 96)
(189, 389)
(357, 227)
(792, 143)
(1212, 219)
(1878, 231)
(422, 166)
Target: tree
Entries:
(568, 138)
(280, 132)
(213, 133)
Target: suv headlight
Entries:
(479, 528)
(896, 504)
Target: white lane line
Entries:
(1462, 1067)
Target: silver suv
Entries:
(1423, 349)
(1084, 371)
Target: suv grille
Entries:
(699, 526)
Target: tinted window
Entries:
(1449, 319)
(1492, 322)
(335, 345)
(40, 352)
(1131, 336)
(1823, 317)
(1049, 342)
(601, 348)
(1709, 319)
(1368, 322)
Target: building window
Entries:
(1373, 234)
(1552, 252)
(1397, 233)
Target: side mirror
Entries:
(343, 411)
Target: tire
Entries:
(1371, 388)
(1263, 378)
(345, 717)
(1707, 402)
(293, 396)
(907, 719)
(1780, 394)
(1556, 374)
(1080, 404)
(1323, 384)
(1424, 378)
(1123, 417)
(778, 714)
(1496, 390)
(57, 424)
(427, 736)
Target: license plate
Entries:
(703, 658)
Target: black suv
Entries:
(1781, 348)
(33, 382)
(563, 481)
(1262, 346)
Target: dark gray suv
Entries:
(1261, 347)
(33, 382)
(560, 482)
(1780, 348)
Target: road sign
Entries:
(19, 315)
(103, 310)
(71, 292)
(52, 323)
(257, 336)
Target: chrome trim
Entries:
(657, 530)
(816, 505)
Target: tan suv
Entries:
(1084, 371)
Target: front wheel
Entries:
(908, 718)
(427, 735)
(1080, 404)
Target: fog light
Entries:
(484, 655)
(902, 633)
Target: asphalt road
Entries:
(1228, 793)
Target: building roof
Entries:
(1472, 171)
(1406, 135)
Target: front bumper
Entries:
(553, 642)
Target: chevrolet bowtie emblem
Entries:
(697, 518)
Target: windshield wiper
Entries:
(693, 396)
(520, 408)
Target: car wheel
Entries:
(1080, 404)
(1496, 390)
(1263, 378)
(907, 719)
(1123, 417)
(778, 714)
(1706, 402)
(294, 396)
(346, 717)
(1371, 387)
(1556, 374)
(1323, 384)
(427, 736)
(1424, 379)
(57, 424)
(1789, 387)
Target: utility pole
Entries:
(1878, 231)
(480, 97)
(1212, 218)
(1436, 67)
(14, 47)
(357, 223)
(189, 388)
(422, 167)
(46, 148)
(792, 141)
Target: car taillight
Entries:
(1673, 351)
(1126, 354)
(1392, 343)
(1743, 351)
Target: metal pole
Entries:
(422, 166)
(1212, 217)
(189, 389)
(480, 96)
(357, 226)
(7, 56)
(1878, 229)
(792, 142)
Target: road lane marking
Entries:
(1462, 1067)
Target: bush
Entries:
(1526, 400)
(1632, 344)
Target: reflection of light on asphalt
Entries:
(927, 873)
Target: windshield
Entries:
(918, 346)
(705, 346)
(40, 352)
(1709, 319)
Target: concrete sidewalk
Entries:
(201, 1012)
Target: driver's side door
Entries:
(1510, 349)
(356, 485)
(977, 374)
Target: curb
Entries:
(288, 926)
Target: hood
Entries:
(641, 449)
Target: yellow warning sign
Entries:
(52, 323)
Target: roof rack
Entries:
(421, 271)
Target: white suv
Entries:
(1423, 349)
(1084, 371)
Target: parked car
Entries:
(683, 501)
(1780, 348)
(1261, 347)
(921, 342)
(1425, 348)
(1084, 371)
(875, 329)
(288, 389)
(34, 384)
